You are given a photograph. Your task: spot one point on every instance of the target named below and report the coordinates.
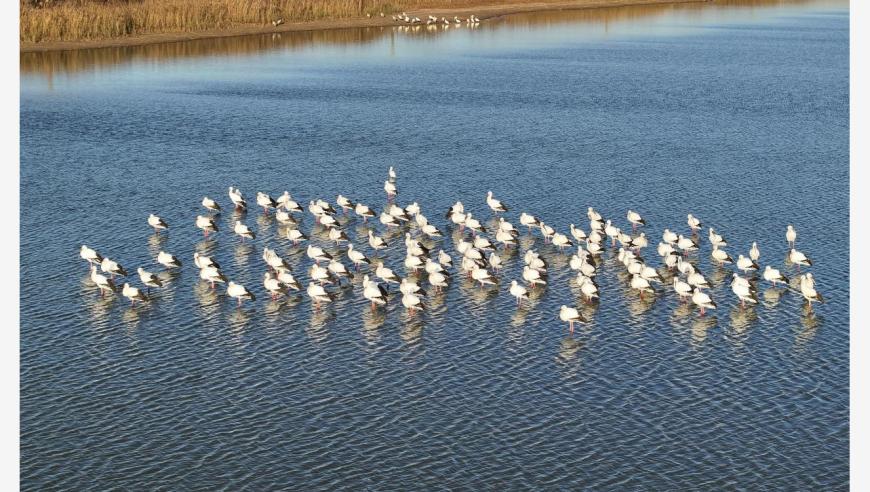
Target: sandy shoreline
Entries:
(483, 12)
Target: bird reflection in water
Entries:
(772, 296)
(373, 318)
(810, 323)
(238, 320)
(131, 317)
(637, 305)
(208, 299)
(569, 348)
(156, 243)
(700, 326)
(316, 329)
(99, 308)
(412, 331)
(718, 275)
(242, 253)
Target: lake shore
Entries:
(483, 12)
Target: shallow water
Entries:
(736, 113)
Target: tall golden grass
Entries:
(70, 20)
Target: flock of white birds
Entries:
(479, 250)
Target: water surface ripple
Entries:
(738, 115)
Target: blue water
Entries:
(736, 113)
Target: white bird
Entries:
(266, 201)
(745, 264)
(363, 211)
(798, 258)
(337, 269)
(635, 219)
(295, 235)
(547, 231)
(388, 220)
(587, 287)
(338, 236)
(529, 221)
(318, 294)
(133, 293)
(376, 242)
(207, 224)
(210, 204)
(560, 241)
(578, 234)
(90, 255)
(593, 215)
(790, 236)
(754, 253)
(390, 188)
(157, 223)
(686, 244)
(104, 283)
(640, 284)
(408, 286)
(505, 238)
(444, 259)
(639, 242)
(273, 286)
(682, 288)
(287, 202)
(374, 292)
(112, 267)
(430, 230)
(473, 224)
(808, 290)
(392, 173)
(201, 261)
(356, 257)
(243, 231)
(413, 263)
(437, 280)
(320, 274)
(518, 291)
(148, 278)
(495, 205)
(412, 302)
(743, 291)
(328, 221)
(702, 300)
(773, 276)
(287, 279)
(533, 277)
(317, 254)
(482, 275)
(399, 213)
(385, 273)
(236, 198)
(715, 239)
(695, 279)
(669, 237)
(212, 275)
(571, 316)
(283, 217)
(693, 222)
(495, 261)
(721, 256)
(344, 203)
